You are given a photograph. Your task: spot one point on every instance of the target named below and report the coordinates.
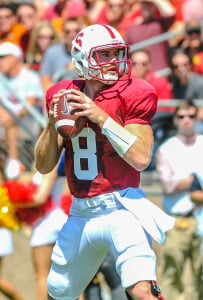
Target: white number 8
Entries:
(89, 153)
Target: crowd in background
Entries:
(42, 32)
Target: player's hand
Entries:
(54, 100)
(87, 107)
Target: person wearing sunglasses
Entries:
(186, 84)
(178, 162)
(42, 37)
(192, 43)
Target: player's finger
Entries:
(80, 94)
(59, 93)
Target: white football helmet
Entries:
(92, 40)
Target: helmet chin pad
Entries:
(108, 77)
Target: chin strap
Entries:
(154, 289)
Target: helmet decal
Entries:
(110, 31)
(78, 39)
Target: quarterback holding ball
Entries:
(66, 121)
(103, 161)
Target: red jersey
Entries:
(163, 88)
(92, 166)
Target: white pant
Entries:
(86, 238)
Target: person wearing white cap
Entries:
(17, 83)
(8, 48)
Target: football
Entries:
(67, 123)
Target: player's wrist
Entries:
(120, 138)
(102, 119)
(51, 123)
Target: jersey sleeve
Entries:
(139, 102)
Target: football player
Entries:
(103, 164)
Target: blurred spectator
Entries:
(178, 24)
(193, 44)
(133, 11)
(157, 17)
(54, 14)
(28, 16)
(10, 29)
(141, 66)
(19, 83)
(94, 8)
(141, 62)
(179, 159)
(41, 6)
(73, 9)
(42, 36)
(114, 14)
(192, 40)
(54, 10)
(76, 9)
(50, 65)
(186, 84)
(64, 9)
(178, 4)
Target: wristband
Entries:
(120, 138)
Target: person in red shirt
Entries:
(157, 18)
(141, 66)
(115, 13)
(109, 211)
(162, 121)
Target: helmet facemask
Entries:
(118, 66)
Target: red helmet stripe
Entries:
(110, 31)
